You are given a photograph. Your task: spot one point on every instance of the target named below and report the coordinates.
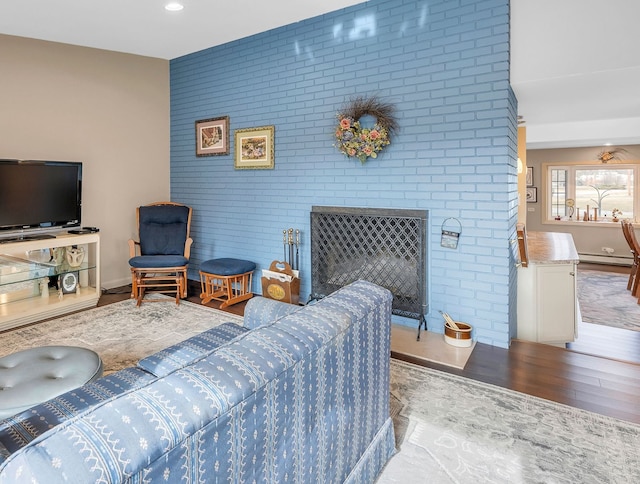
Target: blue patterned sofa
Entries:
(301, 394)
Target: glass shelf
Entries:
(15, 270)
(29, 278)
(28, 274)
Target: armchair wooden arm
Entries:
(134, 248)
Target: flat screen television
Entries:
(39, 196)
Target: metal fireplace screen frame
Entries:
(385, 246)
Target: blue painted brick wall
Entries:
(443, 64)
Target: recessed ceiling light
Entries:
(174, 6)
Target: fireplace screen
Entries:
(383, 246)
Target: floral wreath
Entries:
(362, 143)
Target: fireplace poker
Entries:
(297, 249)
(284, 244)
(290, 246)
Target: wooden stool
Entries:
(226, 280)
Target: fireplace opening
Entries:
(387, 247)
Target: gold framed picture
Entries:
(254, 148)
(212, 136)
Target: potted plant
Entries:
(616, 214)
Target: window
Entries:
(572, 188)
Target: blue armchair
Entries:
(159, 259)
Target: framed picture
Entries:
(212, 136)
(529, 176)
(254, 148)
(532, 194)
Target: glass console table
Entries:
(37, 280)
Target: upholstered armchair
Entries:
(160, 257)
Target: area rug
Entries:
(462, 431)
(604, 300)
(120, 333)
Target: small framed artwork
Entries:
(529, 176)
(254, 148)
(532, 194)
(212, 136)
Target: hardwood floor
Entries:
(612, 343)
(600, 373)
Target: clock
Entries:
(69, 282)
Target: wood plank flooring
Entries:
(613, 343)
(600, 373)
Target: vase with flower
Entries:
(616, 214)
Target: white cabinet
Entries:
(28, 278)
(547, 307)
(548, 310)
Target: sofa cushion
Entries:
(18, 430)
(186, 352)
(261, 310)
(163, 229)
(227, 266)
(158, 261)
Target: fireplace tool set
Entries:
(291, 248)
(281, 281)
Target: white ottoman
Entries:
(36, 375)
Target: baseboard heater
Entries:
(613, 260)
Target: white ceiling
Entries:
(575, 69)
(575, 64)
(144, 27)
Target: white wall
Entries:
(106, 109)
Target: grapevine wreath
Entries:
(356, 141)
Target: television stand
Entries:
(24, 238)
(28, 279)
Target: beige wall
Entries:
(522, 183)
(106, 109)
(588, 239)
